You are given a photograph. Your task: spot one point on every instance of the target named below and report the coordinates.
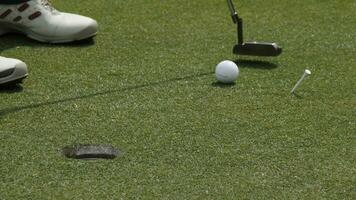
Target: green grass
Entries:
(146, 85)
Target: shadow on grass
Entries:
(223, 85)
(296, 95)
(10, 88)
(255, 64)
(15, 40)
(130, 88)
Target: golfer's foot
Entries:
(40, 21)
(12, 71)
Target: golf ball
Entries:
(226, 71)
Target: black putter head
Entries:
(257, 49)
(250, 48)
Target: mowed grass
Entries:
(146, 86)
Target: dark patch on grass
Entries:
(297, 95)
(11, 88)
(129, 88)
(257, 64)
(223, 85)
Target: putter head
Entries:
(257, 49)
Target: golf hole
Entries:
(90, 152)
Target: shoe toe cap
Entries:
(21, 68)
(90, 29)
(76, 26)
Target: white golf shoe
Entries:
(40, 21)
(12, 70)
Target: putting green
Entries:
(146, 86)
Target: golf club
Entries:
(250, 48)
(305, 74)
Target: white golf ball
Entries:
(226, 71)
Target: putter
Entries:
(250, 48)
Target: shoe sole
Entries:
(15, 74)
(14, 82)
(88, 32)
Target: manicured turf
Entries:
(146, 86)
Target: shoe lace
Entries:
(48, 5)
